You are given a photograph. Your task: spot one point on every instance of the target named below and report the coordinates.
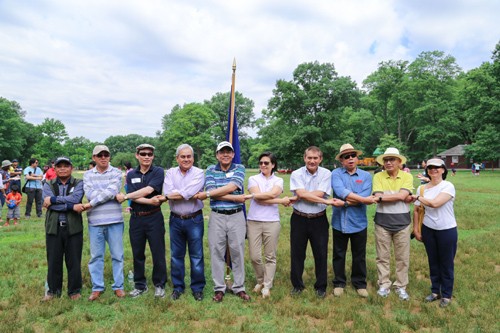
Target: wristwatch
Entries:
(346, 204)
(166, 197)
(208, 194)
(380, 199)
(125, 197)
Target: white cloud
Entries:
(116, 67)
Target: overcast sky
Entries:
(115, 67)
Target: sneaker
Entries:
(444, 302)
(198, 296)
(296, 292)
(258, 288)
(382, 292)
(176, 294)
(403, 295)
(362, 292)
(431, 298)
(138, 292)
(320, 293)
(338, 291)
(159, 292)
(266, 292)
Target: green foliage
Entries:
(50, 136)
(127, 143)
(118, 160)
(390, 140)
(14, 131)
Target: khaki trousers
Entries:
(263, 234)
(401, 240)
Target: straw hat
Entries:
(347, 148)
(390, 152)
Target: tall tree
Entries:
(127, 143)
(51, 135)
(14, 131)
(79, 150)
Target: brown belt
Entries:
(187, 216)
(310, 216)
(147, 212)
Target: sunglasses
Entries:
(390, 159)
(433, 167)
(348, 156)
(144, 154)
(101, 155)
(264, 162)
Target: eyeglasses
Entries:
(389, 159)
(101, 155)
(144, 154)
(433, 167)
(264, 162)
(348, 156)
(225, 152)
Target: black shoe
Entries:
(296, 291)
(175, 295)
(198, 296)
(320, 293)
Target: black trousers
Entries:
(149, 229)
(36, 195)
(315, 230)
(358, 251)
(68, 247)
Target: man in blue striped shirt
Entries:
(101, 185)
(224, 188)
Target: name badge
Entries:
(136, 180)
(229, 174)
(71, 190)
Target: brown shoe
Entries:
(219, 295)
(48, 297)
(243, 295)
(75, 297)
(95, 295)
(119, 293)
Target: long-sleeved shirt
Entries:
(353, 218)
(186, 185)
(101, 190)
(65, 200)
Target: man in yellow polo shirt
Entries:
(392, 189)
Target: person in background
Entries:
(424, 179)
(15, 173)
(128, 168)
(50, 173)
(13, 201)
(2, 195)
(92, 165)
(34, 176)
(439, 230)
(263, 221)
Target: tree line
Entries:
(421, 107)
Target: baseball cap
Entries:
(100, 148)
(224, 144)
(63, 159)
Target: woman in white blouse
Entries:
(439, 230)
(263, 221)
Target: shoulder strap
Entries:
(422, 190)
(55, 189)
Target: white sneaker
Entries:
(159, 292)
(338, 291)
(382, 292)
(258, 288)
(403, 295)
(266, 292)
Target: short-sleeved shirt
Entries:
(393, 216)
(319, 181)
(215, 177)
(137, 180)
(37, 184)
(264, 213)
(443, 217)
(353, 218)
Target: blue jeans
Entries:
(190, 232)
(99, 235)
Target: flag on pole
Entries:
(232, 132)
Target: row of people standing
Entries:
(311, 185)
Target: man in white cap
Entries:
(101, 185)
(392, 188)
(349, 222)
(224, 187)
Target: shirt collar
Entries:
(218, 168)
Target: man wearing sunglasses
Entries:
(349, 222)
(101, 185)
(146, 221)
(392, 189)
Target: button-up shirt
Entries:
(319, 181)
(65, 200)
(353, 218)
(186, 185)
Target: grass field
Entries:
(474, 308)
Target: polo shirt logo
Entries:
(359, 181)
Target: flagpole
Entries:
(231, 119)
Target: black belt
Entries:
(187, 216)
(227, 211)
(309, 216)
(147, 212)
(62, 224)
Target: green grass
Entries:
(474, 308)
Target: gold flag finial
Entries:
(234, 64)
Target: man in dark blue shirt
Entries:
(146, 221)
(349, 221)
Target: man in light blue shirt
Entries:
(34, 176)
(349, 222)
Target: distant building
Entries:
(456, 155)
